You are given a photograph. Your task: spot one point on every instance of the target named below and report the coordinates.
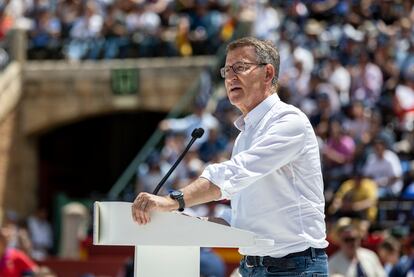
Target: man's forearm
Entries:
(200, 191)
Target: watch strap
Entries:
(179, 197)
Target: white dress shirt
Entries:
(274, 180)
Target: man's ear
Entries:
(270, 72)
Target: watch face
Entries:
(176, 194)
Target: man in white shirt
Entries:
(199, 118)
(352, 260)
(273, 178)
(41, 234)
(384, 166)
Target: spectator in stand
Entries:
(182, 37)
(41, 234)
(405, 266)
(226, 114)
(365, 144)
(6, 22)
(339, 77)
(205, 26)
(367, 80)
(45, 36)
(404, 101)
(320, 119)
(173, 147)
(352, 260)
(384, 166)
(267, 21)
(16, 233)
(356, 198)
(168, 29)
(150, 174)
(188, 170)
(199, 118)
(214, 145)
(405, 147)
(337, 156)
(357, 123)
(389, 253)
(313, 30)
(144, 27)
(68, 12)
(325, 87)
(13, 262)
(384, 52)
(404, 55)
(405, 150)
(85, 35)
(298, 83)
(115, 32)
(304, 56)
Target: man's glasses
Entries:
(238, 67)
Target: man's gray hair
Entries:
(266, 52)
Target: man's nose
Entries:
(230, 75)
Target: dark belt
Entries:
(270, 261)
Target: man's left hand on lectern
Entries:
(145, 203)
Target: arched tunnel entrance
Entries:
(87, 157)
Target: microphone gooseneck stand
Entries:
(197, 133)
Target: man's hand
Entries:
(198, 192)
(146, 203)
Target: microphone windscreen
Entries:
(197, 133)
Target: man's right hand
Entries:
(145, 203)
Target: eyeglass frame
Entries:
(223, 69)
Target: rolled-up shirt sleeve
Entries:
(281, 142)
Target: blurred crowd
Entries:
(24, 242)
(107, 29)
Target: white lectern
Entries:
(170, 244)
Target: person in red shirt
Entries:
(13, 262)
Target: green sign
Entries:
(124, 81)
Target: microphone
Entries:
(197, 133)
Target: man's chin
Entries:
(233, 100)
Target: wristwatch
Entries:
(179, 196)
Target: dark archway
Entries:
(88, 156)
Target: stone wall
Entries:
(17, 151)
(58, 92)
(18, 166)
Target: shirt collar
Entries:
(255, 115)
